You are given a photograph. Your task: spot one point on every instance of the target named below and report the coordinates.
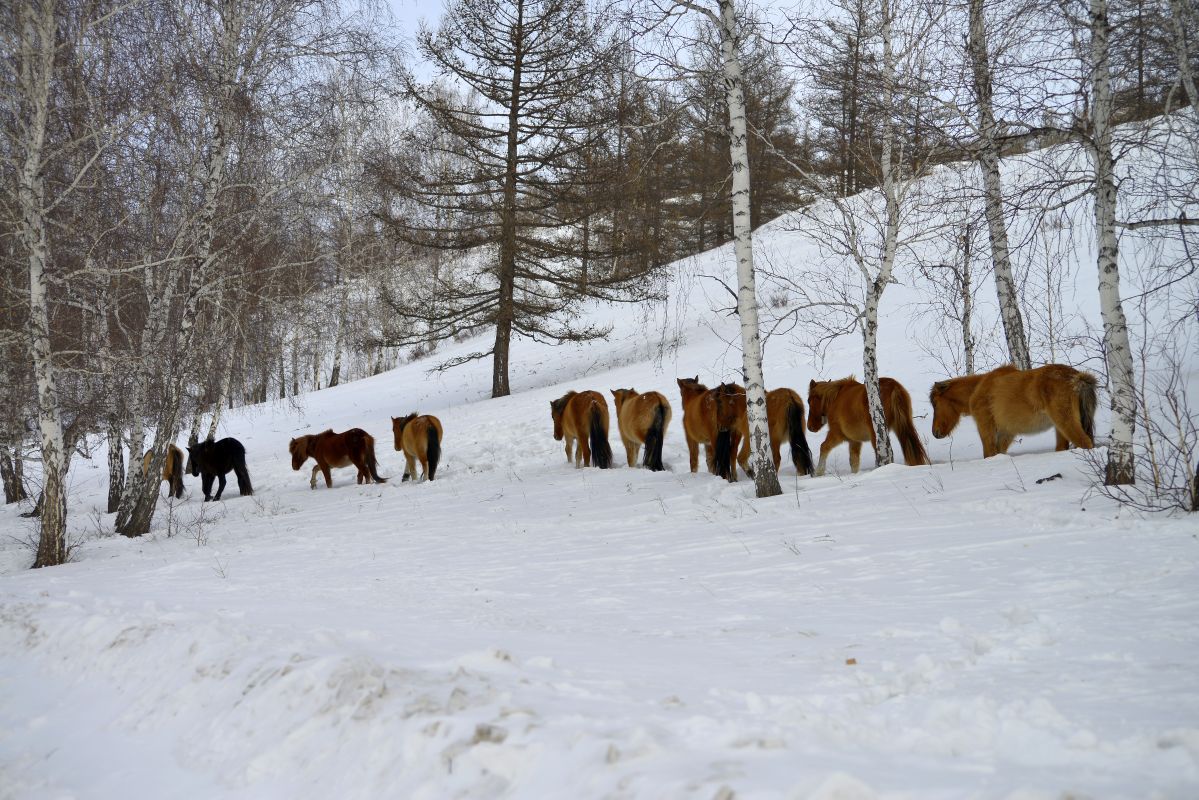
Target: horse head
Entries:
(298, 447)
(621, 395)
(729, 399)
(557, 408)
(816, 412)
(689, 387)
(193, 463)
(397, 428)
(946, 414)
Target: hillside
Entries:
(518, 628)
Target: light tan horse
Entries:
(582, 418)
(843, 404)
(702, 427)
(1007, 402)
(418, 438)
(172, 470)
(354, 447)
(642, 419)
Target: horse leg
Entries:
(743, 458)
(569, 449)
(315, 469)
(776, 451)
(830, 442)
(987, 431)
(409, 468)
(630, 450)
(693, 453)
(206, 481)
(1003, 441)
(855, 456)
(583, 452)
(1063, 443)
(1070, 431)
(328, 473)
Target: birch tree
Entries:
(722, 15)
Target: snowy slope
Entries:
(519, 628)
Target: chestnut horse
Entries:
(353, 447)
(785, 413)
(419, 438)
(583, 417)
(642, 419)
(1007, 402)
(843, 404)
(701, 425)
(172, 470)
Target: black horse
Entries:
(215, 460)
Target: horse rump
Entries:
(433, 450)
(601, 451)
(653, 440)
(364, 444)
(175, 470)
(801, 455)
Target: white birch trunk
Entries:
(221, 399)
(1182, 20)
(1117, 349)
(988, 163)
(35, 65)
(765, 479)
(874, 292)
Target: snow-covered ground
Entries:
(519, 628)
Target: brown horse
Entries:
(419, 438)
(172, 470)
(703, 423)
(1007, 402)
(843, 404)
(642, 419)
(785, 413)
(353, 447)
(583, 417)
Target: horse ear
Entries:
(811, 385)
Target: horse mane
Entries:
(830, 389)
(403, 421)
(560, 403)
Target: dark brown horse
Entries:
(419, 439)
(172, 470)
(642, 419)
(354, 447)
(1007, 402)
(582, 418)
(843, 405)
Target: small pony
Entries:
(353, 447)
(843, 404)
(716, 419)
(172, 470)
(583, 416)
(1007, 402)
(418, 437)
(215, 460)
(642, 419)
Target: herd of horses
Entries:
(1005, 403)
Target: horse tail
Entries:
(368, 445)
(433, 450)
(653, 440)
(801, 456)
(723, 457)
(601, 451)
(175, 466)
(905, 429)
(1084, 386)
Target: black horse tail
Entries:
(1085, 386)
(653, 440)
(433, 451)
(723, 458)
(801, 456)
(244, 487)
(601, 451)
(175, 460)
(371, 464)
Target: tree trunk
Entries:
(1117, 349)
(506, 312)
(116, 466)
(876, 287)
(10, 472)
(221, 398)
(967, 293)
(988, 163)
(766, 480)
(339, 341)
(1182, 20)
